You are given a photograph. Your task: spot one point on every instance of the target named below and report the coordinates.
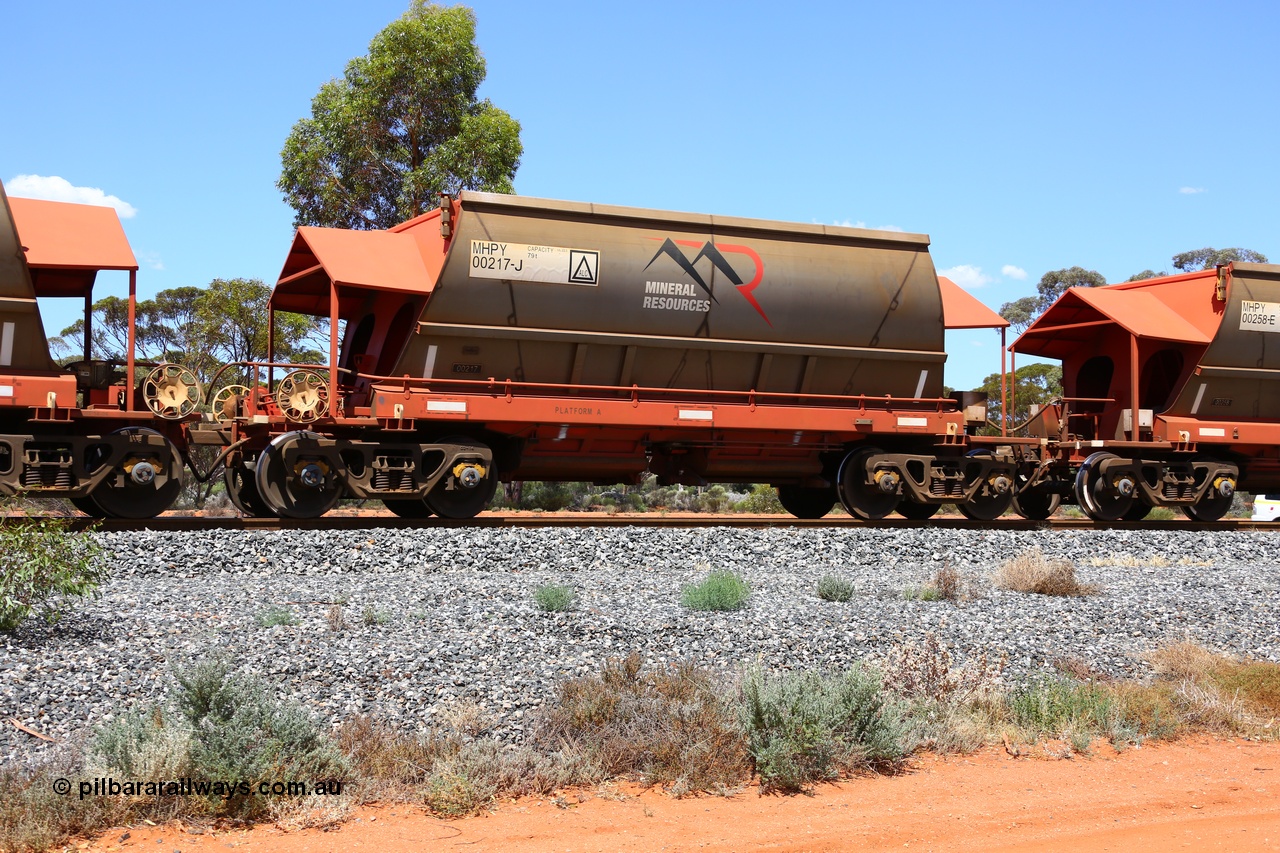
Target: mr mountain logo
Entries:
(668, 294)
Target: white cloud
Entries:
(1010, 271)
(967, 276)
(1190, 190)
(151, 260)
(849, 223)
(53, 188)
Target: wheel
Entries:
(147, 482)
(863, 500)
(1101, 500)
(986, 507)
(1036, 505)
(88, 507)
(296, 483)
(408, 507)
(242, 491)
(803, 502)
(1212, 507)
(987, 504)
(452, 497)
(1140, 510)
(915, 511)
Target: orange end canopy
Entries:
(355, 261)
(1073, 321)
(961, 310)
(66, 244)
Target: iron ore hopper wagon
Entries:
(508, 338)
(1172, 396)
(107, 434)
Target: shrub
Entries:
(220, 725)
(1122, 712)
(551, 496)
(274, 616)
(1033, 572)
(948, 583)
(928, 592)
(924, 671)
(372, 617)
(721, 590)
(1057, 707)
(672, 726)
(554, 599)
(762, 500)
(43, 567)
(804, 728)
(832, 588)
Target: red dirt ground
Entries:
(1194, 795)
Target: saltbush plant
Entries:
(273, 616)
(803, 728)
(553, 598)
(832, 588)
(44, 568)
(220, 725)
(721, 590)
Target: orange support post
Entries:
(130, 380)
(333, 348)
(1013, 381)
(1004, 391)
(271, 348)
(1133, 387)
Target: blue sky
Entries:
(1022, 137)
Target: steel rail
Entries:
(175, 522)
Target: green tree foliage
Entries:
(402, 126)
(43, 568)
(1035, 384)
(1208, 258)
(1054, 284)
(1021, 313)
(1144, 275)
(200, 328)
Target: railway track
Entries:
(585, 519)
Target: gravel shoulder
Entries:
(437, 617)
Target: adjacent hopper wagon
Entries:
(87, 432)
(1172, 395)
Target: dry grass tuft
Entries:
(1128, 561)
(1034, 573)
(1219, 692)
(672, 726)
(1080, 670)
(949, 584)
(1185, 660)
